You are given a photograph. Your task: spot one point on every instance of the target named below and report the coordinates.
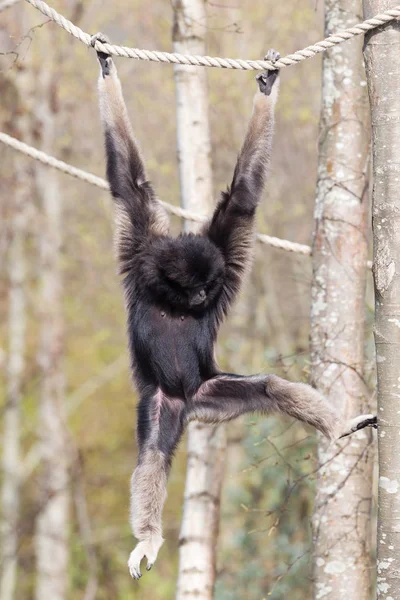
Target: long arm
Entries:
(231, 227)
(138, 213)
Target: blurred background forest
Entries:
(47, 76)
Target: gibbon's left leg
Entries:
(148, 495)
(160, 426)
(228, 396)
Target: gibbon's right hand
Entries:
(267, 79)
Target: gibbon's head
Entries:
(184, 273)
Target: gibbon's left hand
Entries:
(105, 60)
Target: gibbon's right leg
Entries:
(160, 426)
(227, 396)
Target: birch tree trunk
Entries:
(10, 493)
(51, 537)
(382, 57)
(206, 444)
(16, 92)
(343, 500)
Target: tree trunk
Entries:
(206, 444)
(10, 493)
(343, 500)
(51, 539)
(382, 57)
(16, 88)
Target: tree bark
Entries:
(16, 91)
(206, 444)
(10, 493)
(382, 57)
(343, 500)
(51, 537)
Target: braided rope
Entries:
(60, 165)
(222, 63)
(52, 162)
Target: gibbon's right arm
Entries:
(138, 213)
(231, 226)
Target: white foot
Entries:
(357, 423)
(149, 549)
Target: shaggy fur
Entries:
(177, 291)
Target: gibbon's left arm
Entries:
(138, 213)
(231, 226)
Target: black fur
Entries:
(178, 289)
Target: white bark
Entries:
(200, 521)
(16, 92)
(382, 57)
(193, 128)
(343, 500)
(206, 444)
(51, 538)
(11, 463)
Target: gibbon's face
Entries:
(187, 272)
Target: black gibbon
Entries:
(177, 291)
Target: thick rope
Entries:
(222, 63)
(101, 183)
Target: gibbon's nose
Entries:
(198, 298)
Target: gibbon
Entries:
(177, 291)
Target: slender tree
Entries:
(16, 90)
(343, 500)
(382, 58)
(51, 538)
(206, 444)
(10, 493)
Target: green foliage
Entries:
(272, 500)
